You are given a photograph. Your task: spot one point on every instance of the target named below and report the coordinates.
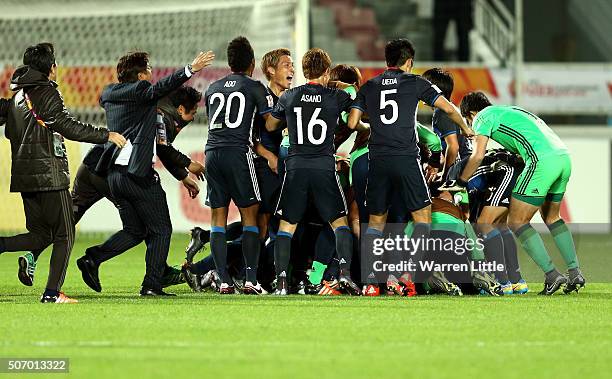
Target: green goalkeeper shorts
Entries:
(544, 180)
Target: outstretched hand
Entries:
(203, 59)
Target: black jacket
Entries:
(175, 162)
(39, 159)
(131, 109)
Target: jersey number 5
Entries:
(229, 104)
(311, 124)
(388, 102)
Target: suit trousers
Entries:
(145, 216)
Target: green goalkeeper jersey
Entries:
(519, 131)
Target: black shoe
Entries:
(552, 285)
(575, 281)
(199, 237)
(349, 286)
(193, 280)
(151, 292)
(89, 272)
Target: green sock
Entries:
(534, 246)
(477, 254)
(316, 273)
(565, 243)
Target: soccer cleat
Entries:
(486, 283)
(60, 298)
(451, 186)
(210, 279)
(330, 288)
(226, 289)
(253, 289)
(349, 286)
(199, 237)
(520, 287)
(27, 266)
(194, 281)
(575, 282)
(89, 272)
(393, 286)
(507, 288)
(438, 281)
(553, 286)
(282, 288)
(172, 276)
(408, 285)
(371, 290)
(238, 284)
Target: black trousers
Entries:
(145, 216)
(87, 190)
(49, 220)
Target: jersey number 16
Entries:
(310, 128)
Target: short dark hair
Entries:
(398, 51)
(240, 54)
(473, 102)
(271, 58)
(441, 78)
(345, 73)
(130, 65)
(315, 62)
(40, 57)
(186, 96)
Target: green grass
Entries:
(116, 334)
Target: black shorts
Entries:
(230, 175)
(500, 184)
(320, 188)
(269, 185)
(400, 176)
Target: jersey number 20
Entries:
(229, 104)
(311, 124)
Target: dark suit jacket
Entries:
(131, 109)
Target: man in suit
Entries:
(178, 109)
(131, 107)
(36, 124)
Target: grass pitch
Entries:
(116, 334)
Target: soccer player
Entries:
(277, 66)
(455, 145)
(540, 186)
(311, 112)
(391, 100)
(231, 104)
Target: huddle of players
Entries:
(247, 171)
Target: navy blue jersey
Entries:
(443, 126)
(269, 140)
(231, 105)
(311, 112)
(391, 99)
